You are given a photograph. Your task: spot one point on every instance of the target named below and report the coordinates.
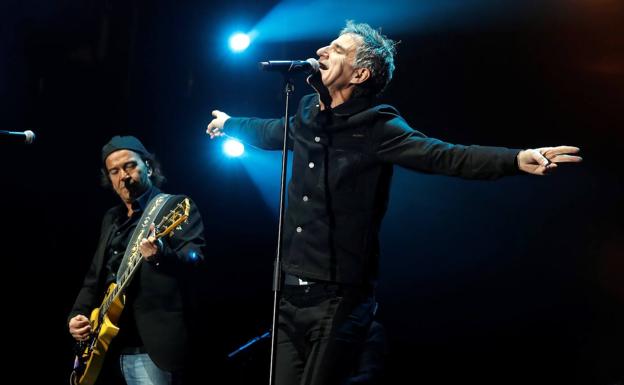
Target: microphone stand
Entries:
(289, 87)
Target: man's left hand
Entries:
(541, 161)
(150, 246)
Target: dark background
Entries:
(517, 281)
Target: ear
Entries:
(149, 168)
(360, 75)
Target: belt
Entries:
(293, 280)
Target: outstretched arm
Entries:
(402, 145)
(267, 134)
(541, 161)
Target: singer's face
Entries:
(128, 174)
(337, 61)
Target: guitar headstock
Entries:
(173, 220)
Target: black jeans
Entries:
(322, 330)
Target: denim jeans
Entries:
(139, 369)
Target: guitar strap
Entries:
(154, 207)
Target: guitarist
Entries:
(152, 343)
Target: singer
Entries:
(345, 146)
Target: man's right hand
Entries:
(215, 127)
(79, 327)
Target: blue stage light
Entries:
(239, 42)
(233, 148)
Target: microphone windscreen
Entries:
(30, 136)
(314, 63)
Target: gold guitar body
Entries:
(92, 357)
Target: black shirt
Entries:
(121, 231)
(342, 168)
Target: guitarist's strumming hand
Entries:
(79, 327)
(150, 247)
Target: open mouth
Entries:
(322, 66)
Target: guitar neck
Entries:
(119, 289)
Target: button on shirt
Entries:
(342, 167)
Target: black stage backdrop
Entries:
(517, 281)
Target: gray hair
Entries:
(375, 53)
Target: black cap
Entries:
(123, 143)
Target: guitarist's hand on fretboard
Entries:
(79, 327)
(151, 246)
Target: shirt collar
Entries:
(143, 200)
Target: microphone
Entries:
(290, 66)
(27, 136)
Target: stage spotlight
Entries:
(233, 148)
(239, 42)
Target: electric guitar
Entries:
(90, 353)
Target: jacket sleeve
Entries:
(267, 134)
(90, 294)
(400, 144)
(187, 242)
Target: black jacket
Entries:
(341, 173)
(157, 297)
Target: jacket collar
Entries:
(353, 106)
